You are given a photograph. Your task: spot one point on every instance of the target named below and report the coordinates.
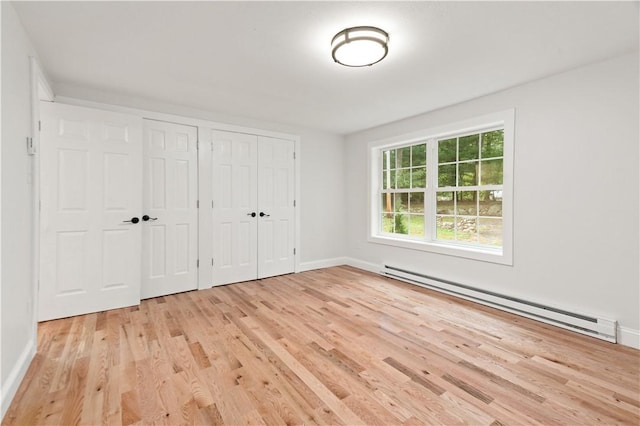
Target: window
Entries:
(448, 191)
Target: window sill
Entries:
(475, 253)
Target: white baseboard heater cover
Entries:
(596, 327)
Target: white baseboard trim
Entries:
(361, 264)
(323, 263)
(10, 387)
(629, 337)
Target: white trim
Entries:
(504, 119)
(322, 263)
(2, 404)
(297, 191)
(179, 119)
(39, 89)
(364, 265)
(10, 386)
(205, 252)
(629, 337)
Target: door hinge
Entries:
(211, 204)
(294, 203)
(294, 155)
(294, 252)
(212, 261)
(197, 263)
(39, 125)
(197, 144)
(197, 204)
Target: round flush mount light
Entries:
(359, 46)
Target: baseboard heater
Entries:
(596, 327)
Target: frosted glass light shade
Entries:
(359, 46)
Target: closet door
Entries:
(234, 210)
(253, 207)
(91, 185)
(169, 216)
(276, 207)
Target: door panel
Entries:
(90, 184)
(234, 174)
(275, 200)
(170, 240)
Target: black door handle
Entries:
(146, 218)
(133, 220)
(252, 214)
(263, 214)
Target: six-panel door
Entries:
(91, 181)
(234, 158)
(170, 216)
(275, 201)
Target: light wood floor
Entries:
(334, 346)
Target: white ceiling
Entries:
(271, 60)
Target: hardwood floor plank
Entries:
(336, 346)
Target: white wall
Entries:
(322, 203)
(576, 215)
(17, 323)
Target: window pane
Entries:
(419, 177)
(466, 229)
(493, 144)
(392, 179)
(444, 228)
(401, 224)
(447, 151)
(416, 202)
(387, 203)
(447, 175)
(444, 203)
(404, 157)
(466, 204)
(392, 158)
(416, 225)
(491, 203)
(402, 202)
(491, 172)
(419, 155)
(385, 182)
(490, 231)
(468, 174)
(468, 147)
(403, 178)
(387, 223)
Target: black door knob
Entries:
(133, 220)
(146, 218)
(263, 214)
(252, 214)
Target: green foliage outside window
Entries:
(468, 192)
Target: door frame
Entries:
(205, 127)
(40, 90)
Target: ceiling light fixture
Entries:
(359, 46)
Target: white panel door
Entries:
(169, 215)
(276, 207)
(234, 218)
(91, 189)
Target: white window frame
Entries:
(502, 255)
